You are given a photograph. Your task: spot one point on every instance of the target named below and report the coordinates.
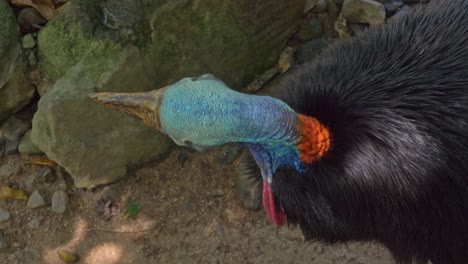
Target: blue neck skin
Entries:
(206, 113)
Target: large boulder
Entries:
(15, 88)
(136, 45)
(363, 11)
(235, 40)
(95, 145)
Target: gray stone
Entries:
(93, 144)
(111, 193)
(44, 87)
(3, 241)
(391, 5)
(29, 19)
(15, 88)
(36, 200)
(26, 146)
(11, 147)
(7, 170)
(35, 223)
(248, 35)
(310, 29)
(311, 49)
(59, 201)
(4, 215)
(32, 60)
(309, 5)
(97, 145)
(363, 11)
(14, 128)
(28, 41)
(45, 175)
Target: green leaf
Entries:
(132, 208)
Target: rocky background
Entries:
(53, 53)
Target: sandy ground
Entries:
(190, 214)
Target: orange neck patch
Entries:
(315, 141)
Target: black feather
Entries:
(396, 101)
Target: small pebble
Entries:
(11, 147)
(4, 215)
(45, 175)
(59, 201)
(110, 193)
(32, 59)
(35, 200)
(28, 41)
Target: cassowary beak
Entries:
(143, 106)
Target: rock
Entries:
(320, 7)
(32, 60)
(15, 88)
(363, 11)
(11, 147)
(59, 201)
(7, 170)
(96, 145)
(93, 144)
(333, 12)
(45, 175)
(4, 215)
(29, 19)
(35, 200)
(26, 146)
(14, 128)
(28, 41)
(44, 87)
(3, 241)
(309, 5)
(310, 29)
(35, 223)
(110, 193)
(248, 36)
(311, 49)
(391, 5)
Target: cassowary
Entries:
(369, 142)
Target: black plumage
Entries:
(395, 99)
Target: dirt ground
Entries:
(190, 213)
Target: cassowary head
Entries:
(203, 112)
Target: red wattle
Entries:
(277, 216)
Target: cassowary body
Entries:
(367, 143)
